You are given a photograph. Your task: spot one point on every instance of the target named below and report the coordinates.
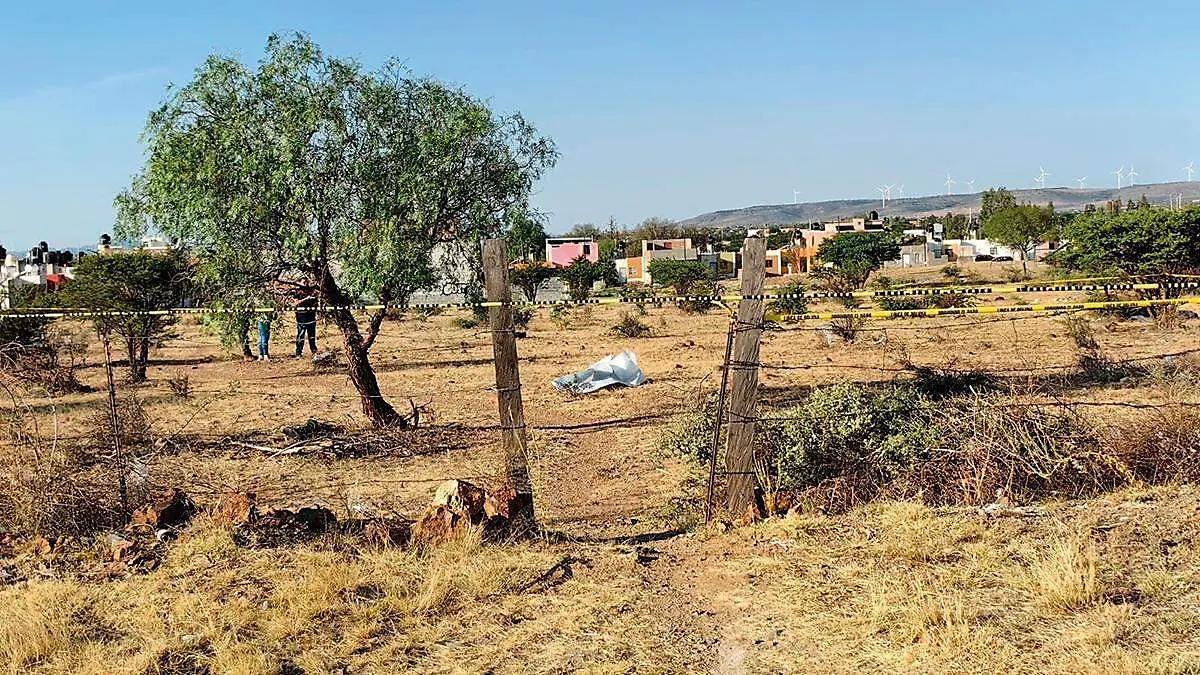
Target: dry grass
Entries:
(1065, 577)
(216, 606)
(899, 587)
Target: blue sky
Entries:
(659, 108)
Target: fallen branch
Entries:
(547, 577)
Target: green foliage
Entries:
(529, 277)
(1022, 227)
(348, 183)
(526, 238)
(631, 326)
(680, 275)
(521, 316)
(1143, 242)
(639, 295)
(995, 200)
(793, 306)
(130, 281)
(855, 255)
(951, 272)
(955, 225)
(580, 276)
(22, 333)
(691, 434)
(562, 316)
(847, 426)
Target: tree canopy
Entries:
(1142, 242)
(1022, 227)
(854, 255)
(313, 174)
(679, 274)
(995, 200)
(135, 281)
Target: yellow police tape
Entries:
(869, 313)
(1068, 285)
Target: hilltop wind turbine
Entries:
(971, 186)
(1130, 174)
(949, 183)
(885, 193)
(1190, 169)
(1041, 179)
(1120, 174)
(1080, 181)
(900, 191)
(795, 196)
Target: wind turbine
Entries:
(900, 191)
(795, 196)
(1190, 169)
(1120, 174)
(1041, 179)
(971, 186)
(885, 192)
(949, 183)
(1080, 181)
(1130, 174)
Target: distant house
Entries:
(637, 269)
(561, 251)
(151, 244)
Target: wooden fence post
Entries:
(508, 385)
(743, 404)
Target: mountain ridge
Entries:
(1064, 198)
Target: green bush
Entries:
(631, 327)
(951, 272)
(639, 295)
(691, 434)
(849, 428)
(793, 306)
(521, 316)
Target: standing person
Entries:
(306, 324)
(264, 337)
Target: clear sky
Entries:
(660, 108)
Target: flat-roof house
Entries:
(561, 251)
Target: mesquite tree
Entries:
(337, 181)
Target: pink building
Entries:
(561, 251)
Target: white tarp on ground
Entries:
(610, 370)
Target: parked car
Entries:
(983, 258)
(1003, 258)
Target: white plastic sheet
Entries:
(620, 369)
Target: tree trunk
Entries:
(362, 374)
(137, 352)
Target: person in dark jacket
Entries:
(306, 324)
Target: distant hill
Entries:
(1065, 199)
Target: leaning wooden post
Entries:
(743, 404)
(508, 385)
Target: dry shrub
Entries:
(848, 328)
(181, 385)
(1162, 446)
(849, 443)
(990, 447)
(631, 327)
(45, 354)
(51, 489)
(133, 426)
(1094, 365)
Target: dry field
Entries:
(1110, 584)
